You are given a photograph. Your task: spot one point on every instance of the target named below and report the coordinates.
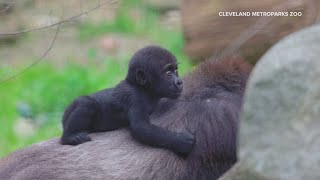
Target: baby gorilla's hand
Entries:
(76, 139)
(185, 144)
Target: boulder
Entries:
(279, 129)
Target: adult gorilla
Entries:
(208, 107)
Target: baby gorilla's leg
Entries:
(77, 121)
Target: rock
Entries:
(24, 109)
(108, 44)
(171, 20)
(24, 128)
(279, 131)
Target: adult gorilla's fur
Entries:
(209, 107)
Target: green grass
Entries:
(47, 90)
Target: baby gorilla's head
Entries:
(155, 69)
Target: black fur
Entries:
(152, 75)
(209, 107)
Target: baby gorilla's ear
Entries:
(141, 77)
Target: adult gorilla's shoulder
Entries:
(209, 107)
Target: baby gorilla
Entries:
(152, 75)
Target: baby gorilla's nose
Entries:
(178, 83)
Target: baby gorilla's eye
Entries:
(168, 73)
(176, 71)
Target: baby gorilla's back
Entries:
(97, 112)
(112, 111)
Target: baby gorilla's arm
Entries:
(143, 131)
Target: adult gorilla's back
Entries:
(209, 107)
